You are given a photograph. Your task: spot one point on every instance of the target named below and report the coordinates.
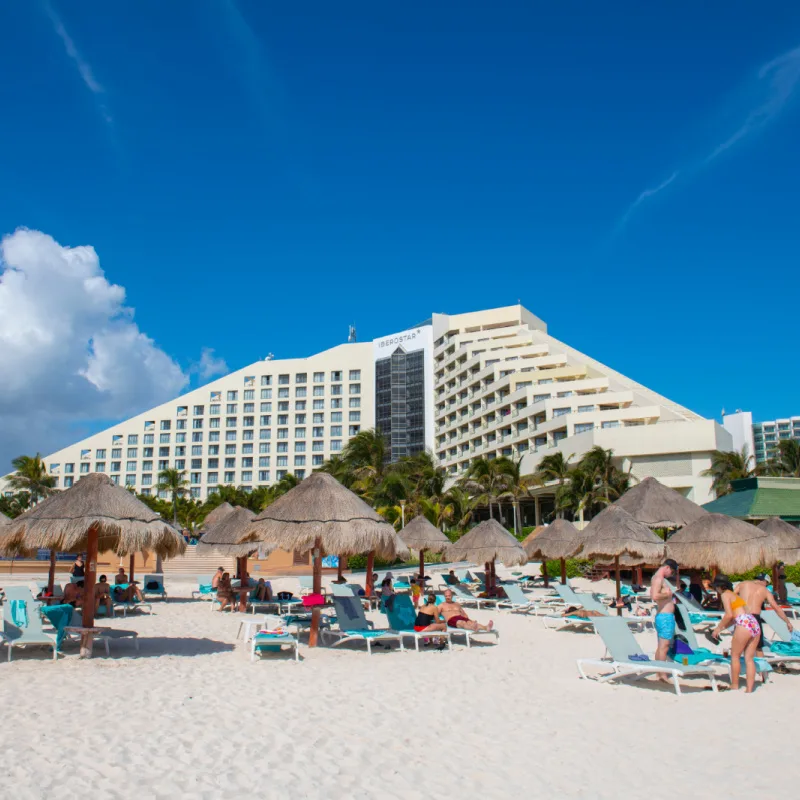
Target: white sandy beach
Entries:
(192, 717)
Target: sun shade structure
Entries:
(321, 516)
(217, 515)
(723, 543)
(614, 533)
(95, 514)
(561, 540)
(658, 506)
(420, 535)
(787, 540)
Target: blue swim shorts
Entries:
(665, 626)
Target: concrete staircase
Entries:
(190, 563)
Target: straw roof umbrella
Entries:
(659, 506)
(787, 540)
(420, 534)
(485, 543)
(614, 533)
(95, 514)
(723, 543)
(217, 515)
(561, 540)
(321, 515)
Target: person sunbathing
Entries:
(428, 617)
(581, 613)
(73, 594)
(456, 617)
(102, 596)
(225, 592)
(263, 591)
(124, 590)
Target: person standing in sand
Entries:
(456, 617)
(756, 595)
(746, 633)
(661, 595)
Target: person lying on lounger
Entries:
(428, 617)
(581, 613)
(263, 592)
(456, 617)
(130, 592)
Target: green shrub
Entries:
(792, 573)
(576, 567)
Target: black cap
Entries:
(671, 563)
(763, 577)
(723, 581)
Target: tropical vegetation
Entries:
(731, 465)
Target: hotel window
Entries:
(147, 452)
(283, 393)
(230, 477)
(283, 461)
(248, 422)
(318, 447)
(100, 466)
(213, 436)
(354, 416)
(319, 377)
(130, 466)
(230, 422)
(230, 463)
(355, 388)
(116, 466)
(299, 447)
(264, 447)
(299, 461)
(300, 405)
(180, 463)
(283, 419)
(247, 448)
(149, 438)
(130, 480)
(196, 478)
(583, 427)
(247, 476)
(318, 418)
(283, 447)
(147, 466)
(147, 480)
(336, 445)
(197, 463)
(84, 469)
(319, 391)
(301, 377)
(316, 461)
(163, 452)
(585, 409)
(560, 412)
(247, 463)
(299, 391)
(249, 408)
(283, 433)
(336, 430)
(116, 439)
(336, 388)
(150, 425)
(336, 416)
(181, 424)
(116, 452)
(355, 375)
(336, 376)
(280, 474)
(266, 394)
(544, 381)
(213, 463)
(336, 402)
(299, 419)
(230, 449)
(355, 402)
(162, 465)
(266, 380)
(318, 404)
(181, 437)
(299, 433)
(197, 423)
(564, 394)
(611, 424)
(263, 461)
(163, 438)
(133, 438)
(283, 380)
(133, 452)
(197, 436)
(353, 430)
(214, 410)
(230, 408)
(265, 433)
(195, 492)
(197, 449)
(213, 449)
(233, 396)
(263, 475)
(299, 474)
(538, 398)
(213, 422)
(249, 394)
(283, 406)
(198, 411)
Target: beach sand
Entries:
(190, 716)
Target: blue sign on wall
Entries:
(330, 562)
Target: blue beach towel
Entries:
(60, 616)
(19, 613)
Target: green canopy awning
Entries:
(758, 503)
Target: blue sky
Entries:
(257, 176)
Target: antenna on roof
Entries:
(352, 335)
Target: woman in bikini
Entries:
(746, 632)
(225, 592)
(428, 617)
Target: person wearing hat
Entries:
(756, 594)
(661, 595)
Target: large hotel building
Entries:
(465, 386)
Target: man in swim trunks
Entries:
(455, 616)
(756, 595)
(661, 595)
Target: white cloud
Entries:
(210, 365)
(70, 351)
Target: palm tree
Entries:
(555, 468)
(366, 457)
(727, 466)
(488, 479)
(463, 504)
(437, 512)
(173, 481)
(518, 486)
(788, 461)
(31, 476)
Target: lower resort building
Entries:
(465, 386)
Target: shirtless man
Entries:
(215, 580)
(756, 595)
(102, 596)
(661, 595)
(126, 595)
(455, 616)
(73, 594)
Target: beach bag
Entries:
(152, 585)
(284, 596)
(310, 600)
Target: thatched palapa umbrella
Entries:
(614, 533)
(320, 515)
(561, 540)
(485, 543)
(420, 534)
(95, 514)
(224, 537)
(658, 506)
(722, 543)
(787, 540)
(216, 516)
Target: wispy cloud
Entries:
(210, 365)
(757, 103)
(81, 64)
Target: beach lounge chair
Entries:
(517, 601)
(128, 605)
(153, 585)
(627, 659)
(353, 626)
(204, 590)
(273, 642)
(22, 622)
(342, 590)
(589, 603)
(105, 637)
(401, 619)
(782, 648)
(465, 597)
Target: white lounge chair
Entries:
(22, 622)
(353, 626)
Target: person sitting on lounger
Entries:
(73, 594)
(102, 596)
(428, 617)
(217, 577)
(456, 617)
(225, 592)
(451, 578)
(263, 592)
(130, 590)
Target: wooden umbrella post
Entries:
(619, 588)
(778, 588)
(370, 569)
(544, 574)
(89, 580)
(563, 571)
(51, 575)
(422, 567)
(315, 613)
(339, 567)
(244, 584)
(131, 567)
